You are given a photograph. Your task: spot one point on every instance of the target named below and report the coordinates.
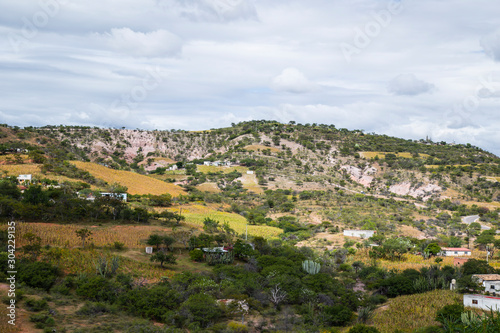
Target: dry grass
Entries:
(381, 154)
(65, 235)
(209, 187)
(224, 169)
(250, 182)
(195, 214)
(261, 148)
(414, 311)
(136, 183)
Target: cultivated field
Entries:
(414, 311)
(195, 214)
(381, 154)
(136, 183)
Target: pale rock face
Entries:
(360, 176)
(424, 191)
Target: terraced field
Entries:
(381, 154)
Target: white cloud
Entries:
(159, 43)
(408, 84)
(223, 61)
(293, 81)
(491, 45)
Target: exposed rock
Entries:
(424, 191)
(362, 177)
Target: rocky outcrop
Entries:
(361, 176)
(424, 191)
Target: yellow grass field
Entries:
(250, 182)
(64, 235)
(35, 170)
(261, 148)
(414, 311)
(224, 169)
(209, 187)
(136, 183)
(381, 154)
(195, 214)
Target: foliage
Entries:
(38, 275)
(163, 257)
(311, 267)
(360, 328)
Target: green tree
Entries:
(163, 257)
(83, 234)
(433, 248)
(155, 240)
(202, 308)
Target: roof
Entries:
(482, 296)
(461, 249)
(487, 277)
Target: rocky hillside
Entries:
(292, 156)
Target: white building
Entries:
(490, 282)
(482, 302)
(359, 233)
(250, 172)
(122, 196)
(455, 251)
(23, 179)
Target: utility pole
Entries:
(246, 232)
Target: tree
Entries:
(168, 241)
(277, 295)
(433, 248)
(163, 257)
(83, 234)
(154, 240)
(202, 309)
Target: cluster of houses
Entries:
(217, 163)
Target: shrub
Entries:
(95, 309)
(202, 309)
(196, 255)
(360, 328)
(452, 312)
(98, 288)
(377, 299)
(36, 305)
(38, 275)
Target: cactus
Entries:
(311, 267)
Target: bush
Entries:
(202, 309)
(36, 305)
(360, 328)
(38, 275)
(42, 320)
(452, 312)
(377, 299)
(196, 255)
(98, 289)
(153, 303)
(95, 309)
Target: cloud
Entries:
(159, 43)
(408, 84)
(491, 45)
(216, 10)
(293, 81)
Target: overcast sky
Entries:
(410, 69)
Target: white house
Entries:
(359, 233)
(482, 302)
(250, 172)
(455, 251)
(490, 282)
(23, 179)
(122, 196)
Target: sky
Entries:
(408, 68)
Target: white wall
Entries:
(483, 302)
(359, 233)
